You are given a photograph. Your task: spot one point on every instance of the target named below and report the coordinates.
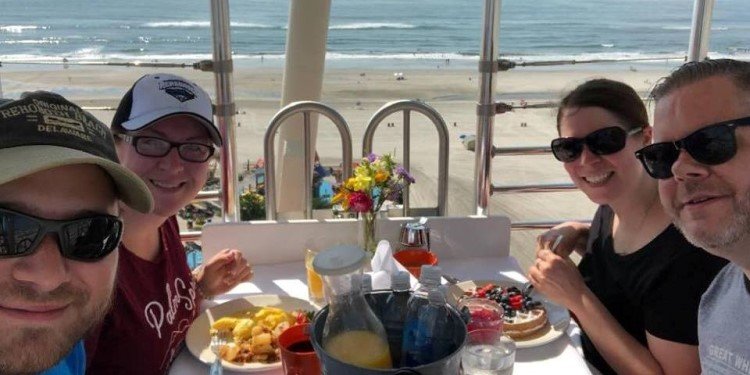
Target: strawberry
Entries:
(482, 292)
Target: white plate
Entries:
(558, 316)
(198, 337)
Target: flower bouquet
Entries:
(376, 179)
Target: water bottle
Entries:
(367, 291)
(429, 280)
(434, 340)
(394, 313)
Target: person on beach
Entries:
(637, 288)
(60, 183)
(164, 133)
(700, 158)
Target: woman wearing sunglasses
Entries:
(163, 133)
(637, 288)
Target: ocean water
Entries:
(365, 31)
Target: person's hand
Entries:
(564, 239)
(557, 278)
(223, 272)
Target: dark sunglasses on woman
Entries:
(87, 239)
(156, 147)
(711, 145)
(604, 141)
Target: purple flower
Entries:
(372, 157)
(401, 172)
(394, 192)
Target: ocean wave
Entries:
(202, 24)
(607, 45)
(372, 25)
(96, 55)
(17, 29)
(682, 28)
(32, 41)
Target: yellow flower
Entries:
(350, 183)
(362, 171)
(381, 176)
(362, 183)
(341, 197)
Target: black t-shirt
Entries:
(655, 289)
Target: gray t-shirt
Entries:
(724, 324)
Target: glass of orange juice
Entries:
(314, 282)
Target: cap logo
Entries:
(180, 90)
(48, 119)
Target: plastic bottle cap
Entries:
(430, 275)
(367, 283)
(436, 296)
(400, 281)
(339, 260)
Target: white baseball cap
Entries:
(157, 96)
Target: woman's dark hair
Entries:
(614, 96)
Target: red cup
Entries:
(297, 354)
(414, 259)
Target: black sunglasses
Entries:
(604, 141)
(87, 239)
(711, 145)
(156, 147)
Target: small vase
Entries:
(367, 233)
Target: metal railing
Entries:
(306, 108)
(487, 108)
(407, 106)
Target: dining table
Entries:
(467, 247)
(562, 355)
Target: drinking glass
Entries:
(485, 313)
(314, 282)
(488, 352)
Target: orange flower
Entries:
(381, 176)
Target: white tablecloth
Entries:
(560, 356)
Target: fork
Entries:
(218, 340)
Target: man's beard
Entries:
(721, 242)
(32, 349)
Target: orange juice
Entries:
(360, 348)
(314, 281)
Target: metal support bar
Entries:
(534, 188)
(531, 150)
(407, 106)
(700, 30)
(304, 107)
(190, 236)
(535, 225)
(222, 68)
(485, 120)
(205, 195)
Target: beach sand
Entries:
(358, 93)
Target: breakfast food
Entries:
(523, 317)
(255, 333)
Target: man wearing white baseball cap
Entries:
(60, 183)
(165, 134)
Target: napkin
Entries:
(384, 265)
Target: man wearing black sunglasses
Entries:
(60, 183)
(701, 156)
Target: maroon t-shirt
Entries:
(154, 304)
